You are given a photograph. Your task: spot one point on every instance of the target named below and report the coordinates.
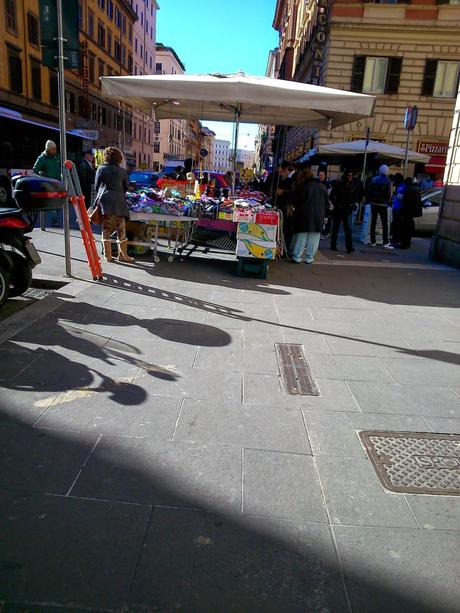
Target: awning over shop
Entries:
(436, 164)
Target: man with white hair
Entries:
(48, 164)
(379, 197)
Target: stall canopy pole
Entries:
(62, 137)
(363, 174)
(235, 146)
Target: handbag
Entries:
(95, 214)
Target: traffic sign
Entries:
(410, 117)
(204, 153)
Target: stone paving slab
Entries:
(354, 495)
(363, 347)
(161, 472)
(335, 434)
(282, 486)
(122, 409)
(444, 425)
(194, 383)
(358, 368)
(78, 553)
(266, 390)
(414, 571)
(41, 460)
(242, 425)
(352, 315)
(335, 395)
(436, 512)
(433, 401)
(14, 359)
(202, 562)
(18, 406)
(246, 360)
(423, 372)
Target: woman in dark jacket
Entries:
(310, 203)
(343, 196)
(111, 185)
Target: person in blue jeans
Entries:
(310, 201)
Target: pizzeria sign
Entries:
(432, 148)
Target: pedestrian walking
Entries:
(322, 178)
(48, 164)
(111, 185)
(87, 175)
(310, 203)
(343, 197)
(411, 207)
(396, 208)
(379, 197)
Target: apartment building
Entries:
(405, 52)
(221, 155)
(144, 62)
(28, 90)
(170, 136)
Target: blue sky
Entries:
(220, 36)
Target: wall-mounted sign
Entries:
(431, 148)
(319, 41)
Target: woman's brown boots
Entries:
(123, 253)
(107, 246)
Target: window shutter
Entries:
(357, 76)
(394, 75)
(429, 77)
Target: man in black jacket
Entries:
(87, 174)
(343, 196)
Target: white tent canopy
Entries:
(359, 147)
(247, 99)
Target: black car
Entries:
(143, 178)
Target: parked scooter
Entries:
(18, 255)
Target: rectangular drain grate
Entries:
(295, 371)
(415, 462)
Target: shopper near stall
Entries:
(310, 203)
(343, 197)
(322, 178)
(111, 185)
(48, 164)
(379, 197)
(87, 175)
(411, 207)
(396, 208)
(282, 198)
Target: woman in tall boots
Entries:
(111, 184)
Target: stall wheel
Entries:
(170, 258)
(156, 259)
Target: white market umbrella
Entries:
(247, 99)
(239, 98)
(359, 147)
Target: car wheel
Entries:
(4, 286)
(21, 275)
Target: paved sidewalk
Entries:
(151, 461)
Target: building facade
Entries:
(401, 52)
(144, 62)
(29, 92)
(170, 136)
(221, 155)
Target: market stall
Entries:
(240, 98)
